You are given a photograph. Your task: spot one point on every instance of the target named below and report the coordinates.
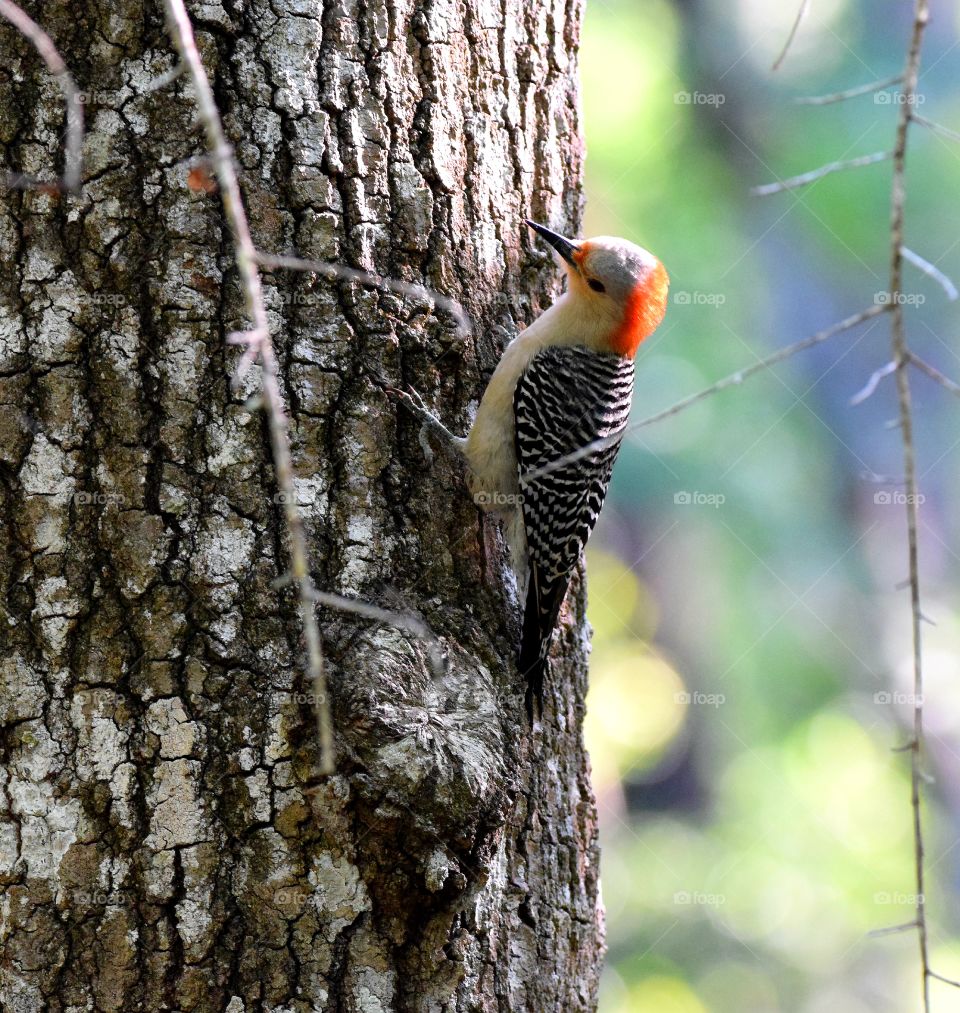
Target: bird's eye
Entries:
(597, 286)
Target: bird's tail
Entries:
(539, 619)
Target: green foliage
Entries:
(751, 651)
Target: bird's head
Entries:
(618, 282)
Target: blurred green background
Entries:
(751, 669)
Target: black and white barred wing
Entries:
(566, 399)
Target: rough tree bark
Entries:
(165, 843)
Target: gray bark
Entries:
(165, 843)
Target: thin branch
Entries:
(931, 271)
(901, 356)
(801, 14)
(404, 288)
(174, 73)
(733, 380)
(250, 342)
(874, 478)
(811, 177)
(73, 145)
(842, 96)
(892, 930)
(907, 746)
(945, 980)
(934, 374)
(787, 352)
(399, 620)
(872, 383)
(937, 128)
(246, 258)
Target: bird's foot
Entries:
(429, 422)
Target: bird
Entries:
(543, 442)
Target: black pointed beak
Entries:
(563, 246)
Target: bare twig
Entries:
(246, 258)
(73, 145)
(871, 385)
(842, 96)
(934, 374)
(250, 342)
(945, 980)
(801, 14)
(733, 380)
(404, 288)
(874, 478)
(787, 352)
(937, 128)
(931, 271)
(399, 620)
(811, 177)
(901, 356)
(174, 73)
(892, 930)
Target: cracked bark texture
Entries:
(164, 841)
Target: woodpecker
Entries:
(549, 425)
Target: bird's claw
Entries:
(414, 402)
(412, 399)
(409, 397)
(428, 421)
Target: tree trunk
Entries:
(166, 843)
